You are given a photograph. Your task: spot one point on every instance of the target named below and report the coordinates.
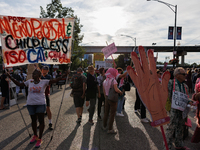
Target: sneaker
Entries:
(78, 120)
(91, 122)
(25, 105)
(145, 120)
(50, 126)
(112, 132)
(38, 144)
(99, 118)
(103, 128)
(35, 138)
(119, 114)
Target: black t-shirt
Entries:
(4, 83)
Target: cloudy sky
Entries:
(103, 20)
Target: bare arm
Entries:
(15, 81)
(122, 75)
(58, 79)
(117, 90)
(84, 88)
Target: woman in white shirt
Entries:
(36, 102)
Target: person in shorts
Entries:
(78, 86)
(45, 75)
(36, 103)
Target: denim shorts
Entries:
(34, 109)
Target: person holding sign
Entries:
(196, 97)
(36, 103)
(177, 93)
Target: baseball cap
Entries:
(79, 70)
(45, 67)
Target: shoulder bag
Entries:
(112, 95)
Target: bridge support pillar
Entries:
(182, 54)
(182, 59)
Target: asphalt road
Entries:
(132, 134)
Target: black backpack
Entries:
(77, 82)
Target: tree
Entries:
(56, 10)
(123, 61)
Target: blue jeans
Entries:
(120, 104)
(34, 109)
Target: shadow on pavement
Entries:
(128, 136)
(68, 141)
(96, 137)
(155, 135)
(8, 114)
(86, 137)
(13, 137)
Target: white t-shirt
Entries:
(36, 95)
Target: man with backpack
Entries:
(78, 85)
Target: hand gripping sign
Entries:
(152, 93)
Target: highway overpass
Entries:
(181, 50)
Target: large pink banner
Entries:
(109, 50)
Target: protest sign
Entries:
(36, 40)
(152, 93)
(179, 100)
(98, 57)
(99, 64)
(108, 63)
(109, 50)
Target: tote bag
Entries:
(112, 95)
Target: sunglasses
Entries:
(183, 74)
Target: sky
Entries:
(103, 20)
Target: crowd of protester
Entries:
(89, 86)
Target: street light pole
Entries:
(134, 39)
(175, 11)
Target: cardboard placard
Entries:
(36, 40)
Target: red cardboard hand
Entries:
(153, 94)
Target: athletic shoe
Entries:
(91, 122)
(99, 118)
(137, 110)
(112, 132)
(103, 128)
(145, 120)
(50, 126)
(35, 138)
(78, 120)
(25, 105)
(119, 114)
(38, 144)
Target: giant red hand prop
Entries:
(152, 93)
